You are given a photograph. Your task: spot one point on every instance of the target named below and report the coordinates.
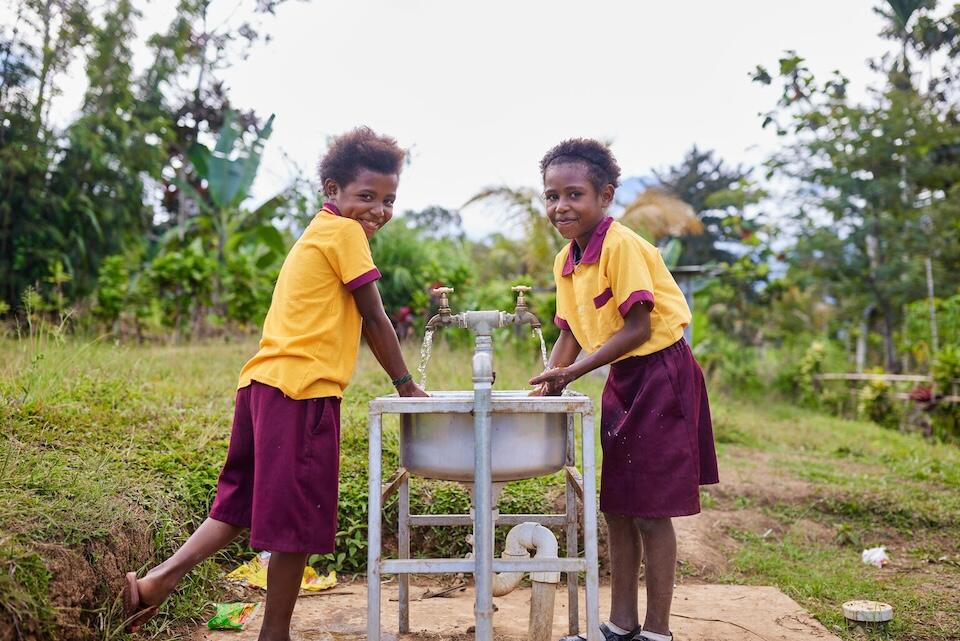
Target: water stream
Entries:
(425, 350)
(543, 346)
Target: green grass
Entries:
(109, 457)
(872, 487)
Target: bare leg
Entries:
(207, 539)
(660, 546)
(284, 575)
(626, 551)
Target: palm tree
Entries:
(898, 14)
(525, 207)
(656, 215)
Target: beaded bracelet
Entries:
(406, 378)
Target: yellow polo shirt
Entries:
(617, 270)
(312, 331)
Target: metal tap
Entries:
(521, 315)
(445, 317)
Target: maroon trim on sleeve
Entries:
(562, 324)
(601, 300)
(636, 297)
(363, 279)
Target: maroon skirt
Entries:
(282, 471)
(656, 435)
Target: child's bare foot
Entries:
(142, 598)
(154, 588)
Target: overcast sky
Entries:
(480, 90)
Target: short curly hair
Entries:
(360, 148)
(602, 167)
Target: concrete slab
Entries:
(700, 613)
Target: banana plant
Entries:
(228, 171)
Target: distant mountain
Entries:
(629, 189)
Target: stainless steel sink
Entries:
(526, 441)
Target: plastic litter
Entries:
(233, 616)
(875, 556)
(867, 611)
(254, 574)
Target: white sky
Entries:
(480, 90)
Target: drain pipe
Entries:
(521, 539)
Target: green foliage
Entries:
(946, 378)
(111, 294)
(410, 263)
(916, 336)
(874, 402)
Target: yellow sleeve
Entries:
(628, 276)
(351, 258)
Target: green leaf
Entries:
(272, 238)
(199, 156)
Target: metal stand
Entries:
(483, 565)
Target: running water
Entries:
(425, 350)
(543, 346)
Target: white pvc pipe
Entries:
(520, 540)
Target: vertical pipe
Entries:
(404, 553)
(573, 609)
(590, 526)
(483, 517)
(373, 527)
(542, 600)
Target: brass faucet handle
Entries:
(521, 290)
(444, 303)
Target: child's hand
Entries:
(552, 381)
(411, 389)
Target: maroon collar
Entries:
(332, 208)
(592, 253)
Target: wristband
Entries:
(406, 378)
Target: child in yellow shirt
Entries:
(617, 300)
(281, 475)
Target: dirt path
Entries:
(700, 613)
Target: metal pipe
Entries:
(590, 525)
(483, 525)
(573, 600)
(403, 551)
(373, 527)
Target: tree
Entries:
(698, 176)
(524, 207)
(227, 172)
(110, 150)
(867, 178)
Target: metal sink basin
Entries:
(529, 435)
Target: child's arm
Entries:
(565, 352)
(635, 332)
(381, 338)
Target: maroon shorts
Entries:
(656, 435)
(282, 471)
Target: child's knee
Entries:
(654, 526)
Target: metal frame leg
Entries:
(573, 601)
(403, 552)
(374, 523)
(590, 526)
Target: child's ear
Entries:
(606, 195)
(330, 188)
